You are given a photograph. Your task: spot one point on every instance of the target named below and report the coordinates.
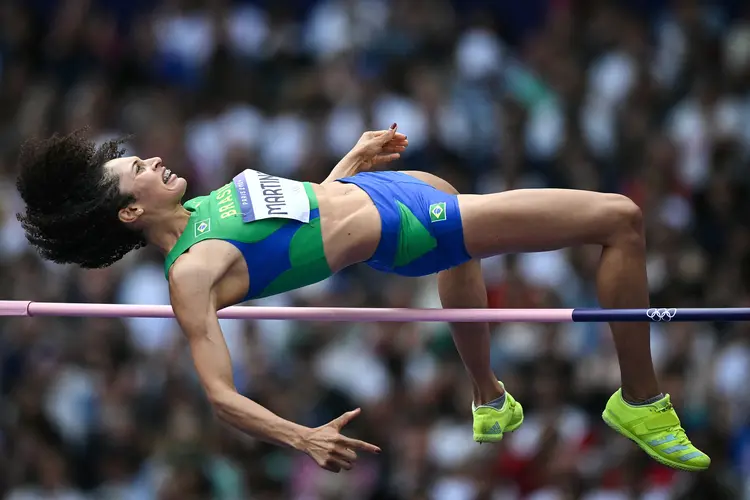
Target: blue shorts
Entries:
(421, 230)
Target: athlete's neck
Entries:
(164, 234)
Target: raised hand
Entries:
(381, 146)
(331, 450)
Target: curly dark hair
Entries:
(72, 203)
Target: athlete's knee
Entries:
(624, 220)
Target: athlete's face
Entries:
(156, 190)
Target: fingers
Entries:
(389, 135)
(344, 464)
(381, 159)
(344, 419)
(340, 459)
(345, 453)
(340, 453)
(333, 466)
(382, 133)
(396, 142)
(356, 444)
(386, 136)
(390, 152)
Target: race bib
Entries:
(264, 196)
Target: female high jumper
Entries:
(261, 235)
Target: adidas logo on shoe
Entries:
(495, 429)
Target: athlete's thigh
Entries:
(457, 286)
(535, 220)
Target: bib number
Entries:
(264, 196)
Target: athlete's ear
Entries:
(130, 214)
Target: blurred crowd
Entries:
(649, 98)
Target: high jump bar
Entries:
(22, 308)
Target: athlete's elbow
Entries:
(222, 401)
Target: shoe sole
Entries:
(642, 445)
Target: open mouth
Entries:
(166, 176)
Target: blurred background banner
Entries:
(650, 98)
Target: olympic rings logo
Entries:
(661, 314)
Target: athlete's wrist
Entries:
(298, 438)
(357, 153)
(357, 161)
(353, 163)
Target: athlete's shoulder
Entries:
(188, 270)
(190, 287)
(207, 260)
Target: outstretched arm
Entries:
(373, 148)
(195, 309)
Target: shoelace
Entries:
(676, 430)
(665, 408)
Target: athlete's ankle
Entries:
(488, 394)
(642, 400)
(641, 394)
(641, 391)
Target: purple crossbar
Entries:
(26, 308)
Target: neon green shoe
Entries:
(656, 429)
(491, 423)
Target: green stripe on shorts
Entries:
(414, 240)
